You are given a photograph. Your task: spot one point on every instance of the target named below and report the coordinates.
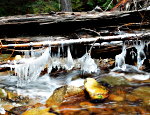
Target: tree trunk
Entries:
(66, 5)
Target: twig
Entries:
(108, 5)
(90, 30)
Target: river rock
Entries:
(95, 90)
(38, 111)
(114, 80)
(72, 110)
(143, 93)
(114, 97)
(65, 95)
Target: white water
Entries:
(43, 86)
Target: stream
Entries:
(37, 73)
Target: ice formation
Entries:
(34, 62)
(87, 64)
(31, 68)
(140, 53)
(120, 59)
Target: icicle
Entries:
(32, 52)
(58, 54)
(69, 61)
(120, 59)
(62, 47)
(26, 54)
(140, 53)
(49, 66)
(87, 64)
(147, 45)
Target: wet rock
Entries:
(95, 90)
(66, 94)
(114, 97)
(115, 81)
(96, 109)
(132, 98)
(143, 93)
(38, 111)
(14, 97)
(19, 110)
(72, 110)
(129, 110)
(88, 105)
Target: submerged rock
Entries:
(66, 95)
(114, 97)
(115, 80)
(143, 93)
(95, 90)
(38, 111)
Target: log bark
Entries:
(60, 23)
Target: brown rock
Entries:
(114, 97)
(72, 110)
(19, 110)
(66, 95)
(37, 111)
(143, 93)
(131, 97)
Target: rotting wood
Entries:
(140, 36)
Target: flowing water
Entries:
(34, 76)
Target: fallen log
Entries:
(33, 25)
(140, 36)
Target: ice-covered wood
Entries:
(144, 36)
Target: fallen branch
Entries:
(140, 36)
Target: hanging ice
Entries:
(87, 64)
(120, 59)
(31, 69)
(69, 61)
(140, 53)
(28, 69)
